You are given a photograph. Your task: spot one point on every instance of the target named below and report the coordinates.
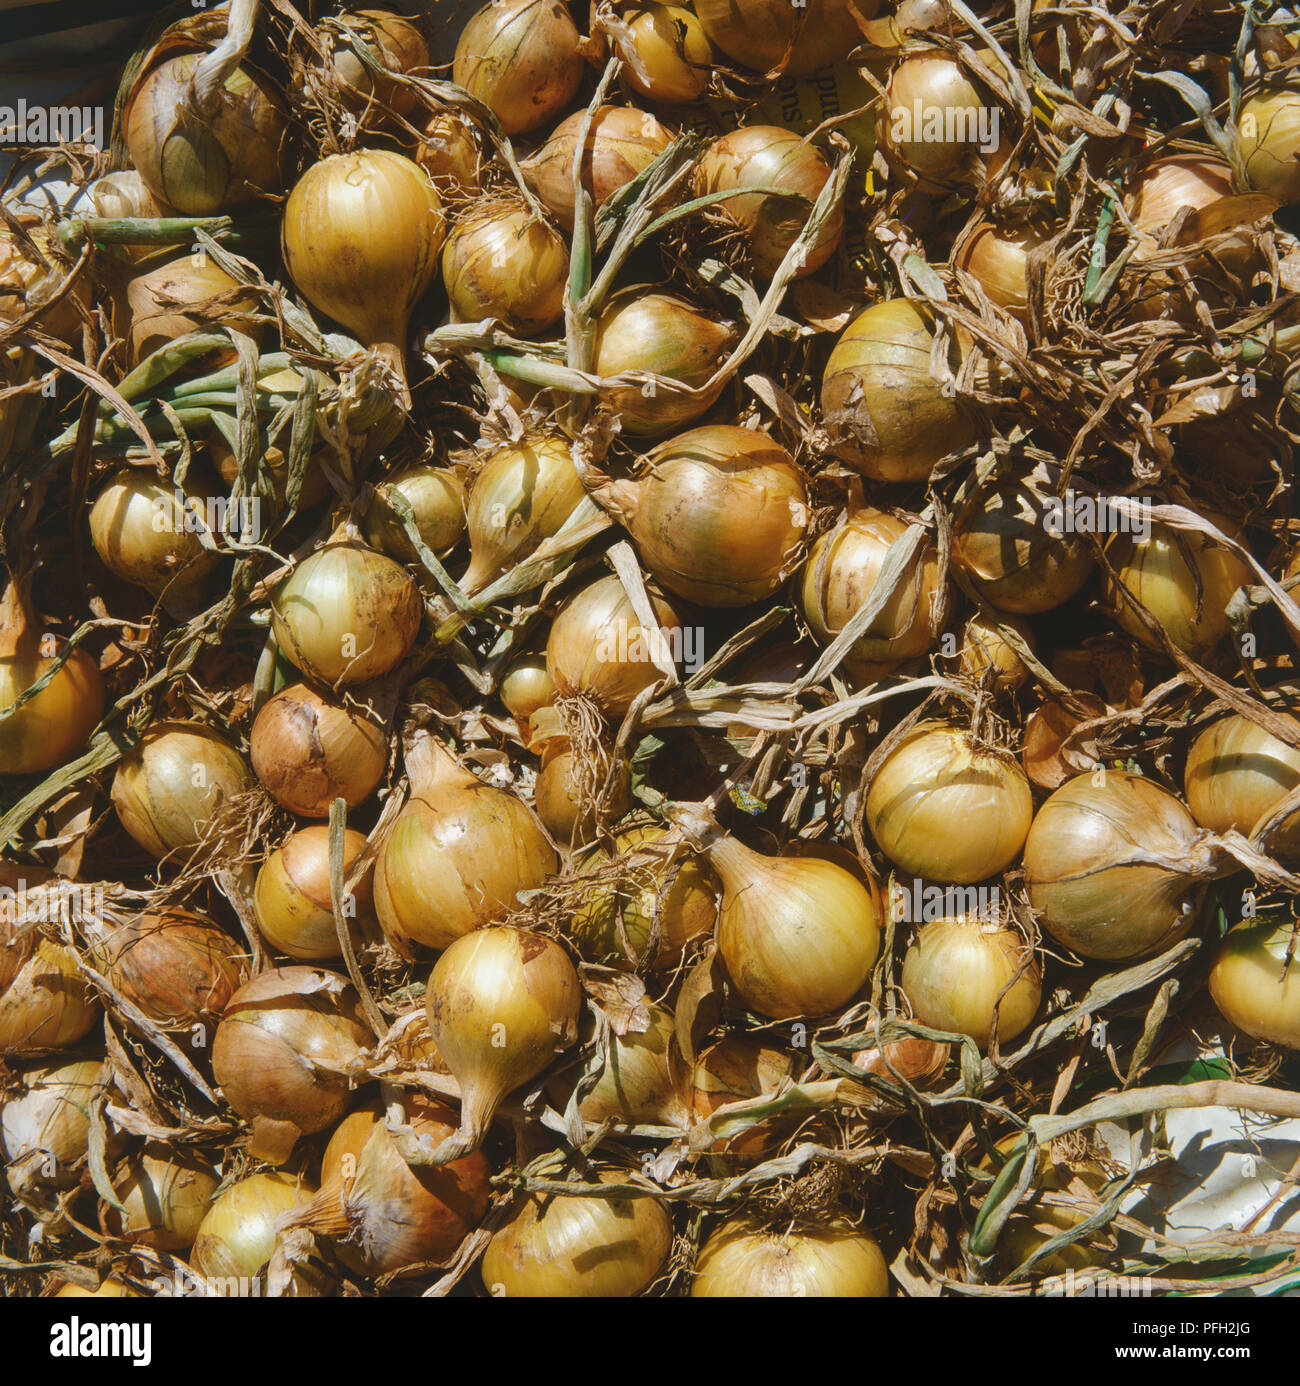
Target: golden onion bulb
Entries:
(292, 895)
(665, 52)
(737, 1068)
(999, 259)
(1170, 182)
(562, 801)
(770, 35)
(575, 1247)
(719, 515)
(437, 500)
(395, 42)
(962, 971)
(944, 808)
(641, 1079)
(934, 124)
(526, 688)
(190, 294)
(238, 1235)
(45, 1124)
(886, 414)
(450, 154)
(521, 59)
(1253, 985)
(1268, 129)
(165, 1195)
(986, 654)
(743, 1260)
(1237, 773)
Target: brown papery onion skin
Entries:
(1252, 984)
(913, 1060)
(163, 302)
(449, 153)
(769, 35)
(944, 808)
(521, 58)
(739, 1067)
(1116, 870)
(238, 1235)
(743, 1260)
(1237, 773)
(44, 1001)
(1170, 182)
(571, 1247)
(45, 1124)
(291, 897)
(957, 968)
(399, 47)
(308, 751)
(458, 854)
(502, 261)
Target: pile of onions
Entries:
(45, 1124)
(347, 613)
(665, 51)
(189, 294)
(963, 972)
(308, 751)
(767, 156)
(735, 1069)
(164, 1195)
(770, 35)
(886, 414)
(361, 235)
(744, 1260)
(1255, 980)
(598, 649)
(521, 59)
(238, 1236)
(457, 856)
(927, 122)
(580, 1246)
(1269, 140)
(170, 786)
(641, 1080)
(502, 1004)
(840, 576)
(1237, 773)
(502, 261)
(1116, 869)
(944, 808)
(521, 496)
(621, 142)
(663, 335)
(292, 895)
(437, 500)
(283, 1054)
(984, 653)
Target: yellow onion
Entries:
(1116, 870)
(397, 44)
(929, 123)
(1254, 986)
(561, 1246)
(985, 653)
(886, 414)
(361, 235)
(1004, 543)
(315, 485)
(767, 35)
(308, 751)
(998, 258)
(1237, 773)
(521, 59)
(292, 895)
(170, 786)
(599, 650)
(189, 294)
(767, 156)
(458, 854)
(1269, 140)
(54, 724)
(1183, 579)
(147, 532)
(381, 1214)
(45, 1124)
(1170, 182)
(736, 1069)
(920, 1062)
(283, 1052)
(502, 261)
(641, 1080)
(347, 614)
(944, 808)
(238, 1235)
(957, 968)
(663, 335)
(164, 1195)
(718, 516)
(449, 153)
(44, 1002)
(526, 688)
(521, 496)
(437, 501)
(502, 1004)
(665, 52)
(840, 576)
(743, 1260)
(621, 142)
(33, 271)
(559, 795)
(670, 899)
(205, 161)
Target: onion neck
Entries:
(393, 356)
(429, 765)
(621, 499)
(18, 635)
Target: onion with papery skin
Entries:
(1255, 980)
(887, 415)
(559, 798)
(165, 1194)
(743, 1260)
(503, 261)
(238, 1235)
(1003, 541)
(521, 58)
(740, 1067)
(942, 807)
(458, 854)
(599, 650)
(1269, 141)
(399, 47)
(840, 576)
(437, 500)
(999, 259)
(308, 751)
(502, 1004)
(1237, 773)
(621, 143)
(292, 895)
(767, 156)
(361, 235)
(666, 53)
(771, 35)
(957, 968)
(986, 655)
(932, 121)
(449, 153)
(1116, 870)
(189, 294)
(1170, 182)
(641, 1080)
(168, 788)
(315, 486)
(920, 1062)
(520, 497)
(381, 1214)
(347, 614)
(33, 272)
(665, 335)
(526, 688)
(45, 1125)
(283, 1053)
(718, 516)
(569, 1247)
